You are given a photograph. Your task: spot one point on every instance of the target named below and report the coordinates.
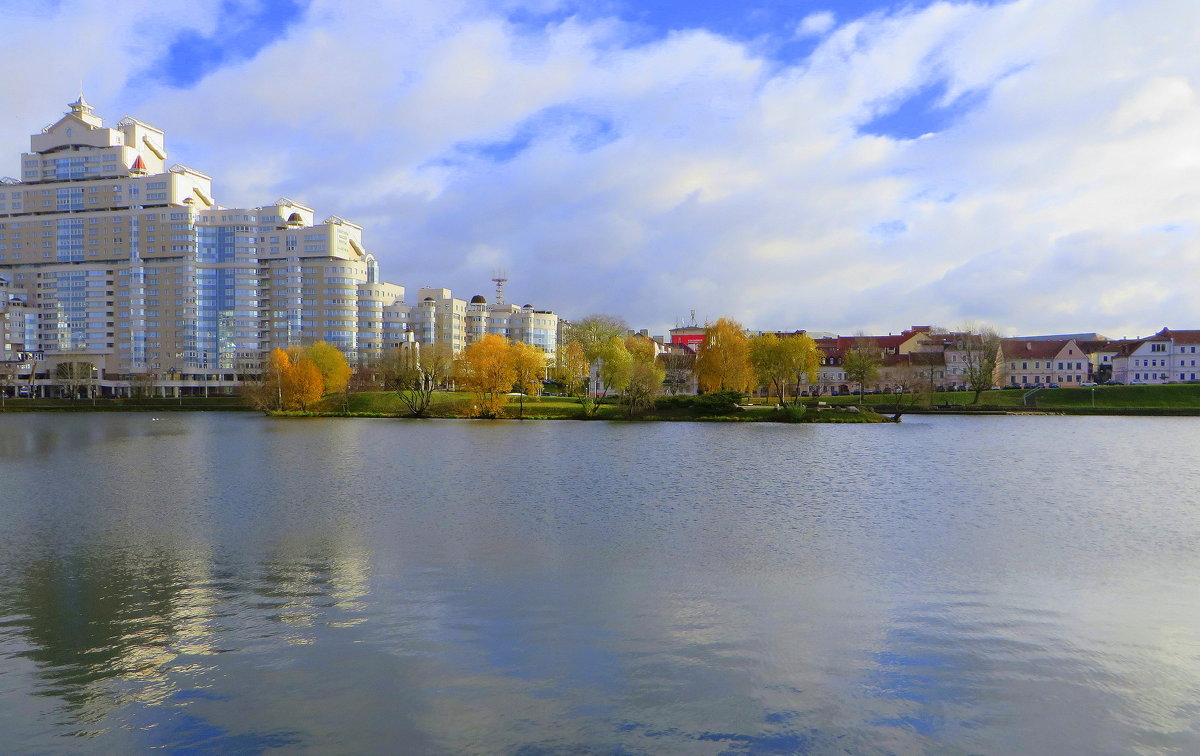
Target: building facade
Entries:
(111, 258)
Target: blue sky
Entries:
(826, 165)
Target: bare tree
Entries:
(142, 385)
(861, 362)
(415, 372)
(677, 369)
(9, 371)
(980, 351)
(74, 376)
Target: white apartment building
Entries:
(1166, 357)
(111, 258)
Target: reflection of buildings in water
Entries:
(114, 627)
(104, 625)
(322, 583)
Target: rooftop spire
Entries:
(81, 106)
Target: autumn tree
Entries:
(571, 368)
(279, 367)
(529, 366)
(861, 362)
(614, 367)
(595, 335)
(780, 361)
(331, 364)
(594, 331)
(303, 384)
(645, 374)
(723, 359)
(485, 368)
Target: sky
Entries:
(840, 165)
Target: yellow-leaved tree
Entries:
(571, 368)
(645, 374)
(529, 365)
(275, 376)
(485, 369)
(303, 385)
(331, 364)
(723, 359)
(781, 362)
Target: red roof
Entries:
(1023, 349)
(138, 164)
(1179, 337)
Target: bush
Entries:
(716, 403)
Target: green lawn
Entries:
(457, 404)
(1184, 395)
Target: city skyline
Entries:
(802, 166)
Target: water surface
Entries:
(223, 583)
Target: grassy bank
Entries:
(184, 404)
(450, 404)
(1184, 396)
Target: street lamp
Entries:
(172, 372)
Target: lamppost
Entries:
(1093, 398)
(171, 373)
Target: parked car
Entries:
(1113, 382)
(1052, 385)
(1137, 383)
(1088, 383)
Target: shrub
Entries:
(716, 403)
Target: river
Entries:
(224, 583)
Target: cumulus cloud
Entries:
(1056, 190)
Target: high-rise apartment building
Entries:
(112, 260)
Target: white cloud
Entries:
(687, 173)
(815, 24)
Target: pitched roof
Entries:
(1022, 349)
(1179, 337)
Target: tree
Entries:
(645, 374)
(331, 364)
(723, 359)
(594, 331)
(614, 367)
(74, 376)
(303, 384)
(678, 370)
(980, 350)
(414, 372)
(780, 361)
(142, 385)
(909, 378)
(485, 369)
(9, 370)
(529, 365)
(571, 368)
(279, 367)
(861, 362)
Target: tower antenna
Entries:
(500, 277)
